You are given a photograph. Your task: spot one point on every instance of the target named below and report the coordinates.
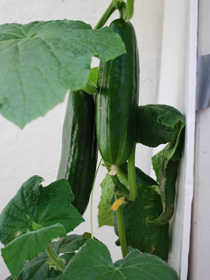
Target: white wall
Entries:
(177, 88)
(36, 149)
(200, 239)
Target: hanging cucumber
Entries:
(79, 149)
(117, 99)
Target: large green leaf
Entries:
(28, 246)
(39, 268)
(93, 262)
(141, 232)
(40, 61)
(138, 215)
(35, 204)
(165, 164)
(158, 124)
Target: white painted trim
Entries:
(178, 89)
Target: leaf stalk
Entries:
(121, 231)
(57, 261)
(109, 11)
(129, 10)
(120, 222)
(132, 174)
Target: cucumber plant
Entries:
(102, 113)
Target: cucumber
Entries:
(117, 99)
(79, 148)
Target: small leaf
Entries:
(165, 164)
(91, 86)
(44, 206)
(40, 61)
(94, 75)
(168, 185)
(28, 246)
(72, 243)
(97, 264)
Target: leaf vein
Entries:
(9, 33)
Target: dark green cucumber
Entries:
(117, 99)
(79, 148)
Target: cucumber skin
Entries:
(79, 148)
(117, 99)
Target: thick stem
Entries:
(129, 10)
(123, 175)
(122, 9)
(132, 174)
(58, 262)
(120, 223)
(109, 11)
(121, 231)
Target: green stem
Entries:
(91, 201)
(122, 9)
(129, 10)
(90, 88)
(120, 222)
(109, 11)
(121, 231)
(123, 175)
(118, 186)
(58, 262)
(132, 174)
